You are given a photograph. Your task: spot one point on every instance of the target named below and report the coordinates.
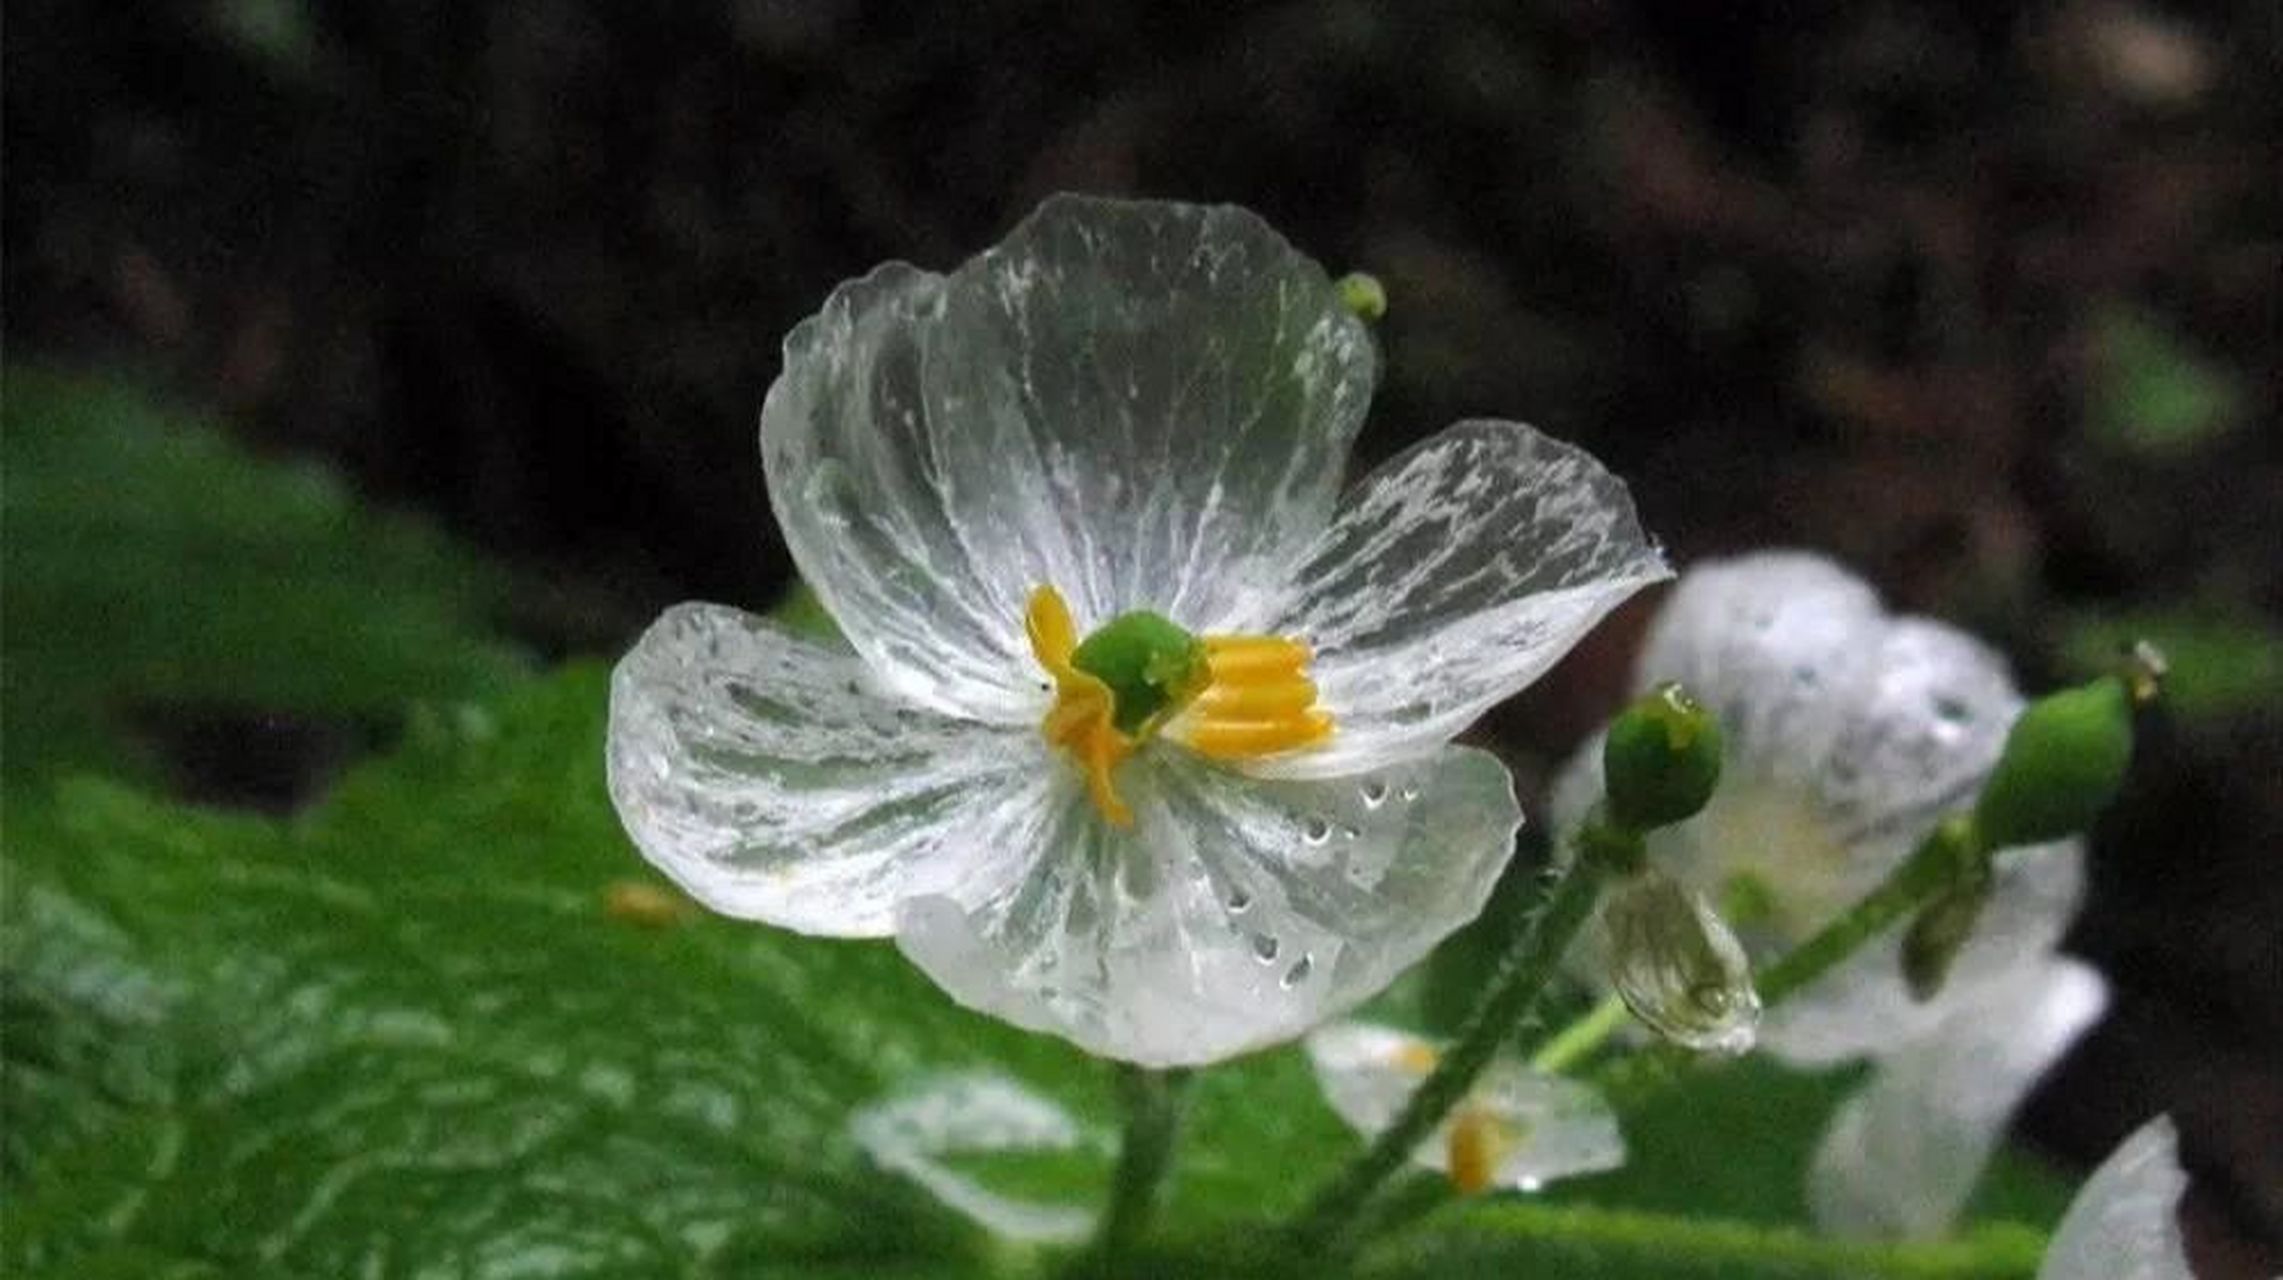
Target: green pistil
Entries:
(1152, 666)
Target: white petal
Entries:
(945, 1116)
(1234, 914)
(1142, 404)
(1761, 640)
(1918, 734)
(2125, 1222)
(1901, 1157)
(1561, 1127)
(1452, 577)
(1883, 723)
(759, 770)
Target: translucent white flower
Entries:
(923, 1132)
(1171, 837)
(1850, 733)
(2125, 1222)
(1516, 1128)
(1901, 1156)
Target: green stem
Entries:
(1574, 1042)
(1512, 993)
(1996, 1252)
(1930, 870)
(1153, 1101)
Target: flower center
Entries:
(1235, 697)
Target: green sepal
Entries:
(1940, 931)
(1152, 666)
(2062, 765)
(1661, 759)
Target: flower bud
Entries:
(2062, 764)
(1363, 294)
(1661, 759)
(1677, 966)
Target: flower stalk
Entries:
(1154, 1102)
(1512, 995)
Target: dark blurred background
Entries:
(1983, 300)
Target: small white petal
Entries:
(1901, 1157)
(1145, 405)
(2125, 1222)
(1761, 641)
(1560, 1128)
(1234, 914)
(760, 771)
(918, 1130)
(1452, 577)
(1865, 1008)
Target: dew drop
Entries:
(1952, 711)
(1315, 829)
(1349, 833)
(1408, 794)
(1374, 792)
(1299, 971)
(1265, 947)
(1806, 676)
(1239, 902)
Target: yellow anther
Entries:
(1477, 1144)
(1415, 1059)
(1259, 701)
(1255, 698)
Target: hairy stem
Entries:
(1520, 980)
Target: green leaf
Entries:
(149, 563)
(428, 1029)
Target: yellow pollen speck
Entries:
(638, 902)
(1478, 1143)
(1257, 701)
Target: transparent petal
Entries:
(1142, 404)
(762, 773)
(1864, 1008)
(919, 1131)
(861, 487)
(1452, 577)
(1233, 914)
(1901, 1157)
(2125, 1222)
(1560, 1127)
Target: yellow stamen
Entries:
(1478, 1143)
(1257, 701)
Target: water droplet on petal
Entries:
(1298, 973)
(1239, 902)
(1315, 829)
(1408, 794)
(1374, 792)
(1264, 947)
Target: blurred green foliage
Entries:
(2151, 394)
(2224, 661)
(149, 563)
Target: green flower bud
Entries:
(1677, 966)
(1660, 760)
(1363, 294)
(2062, 764)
